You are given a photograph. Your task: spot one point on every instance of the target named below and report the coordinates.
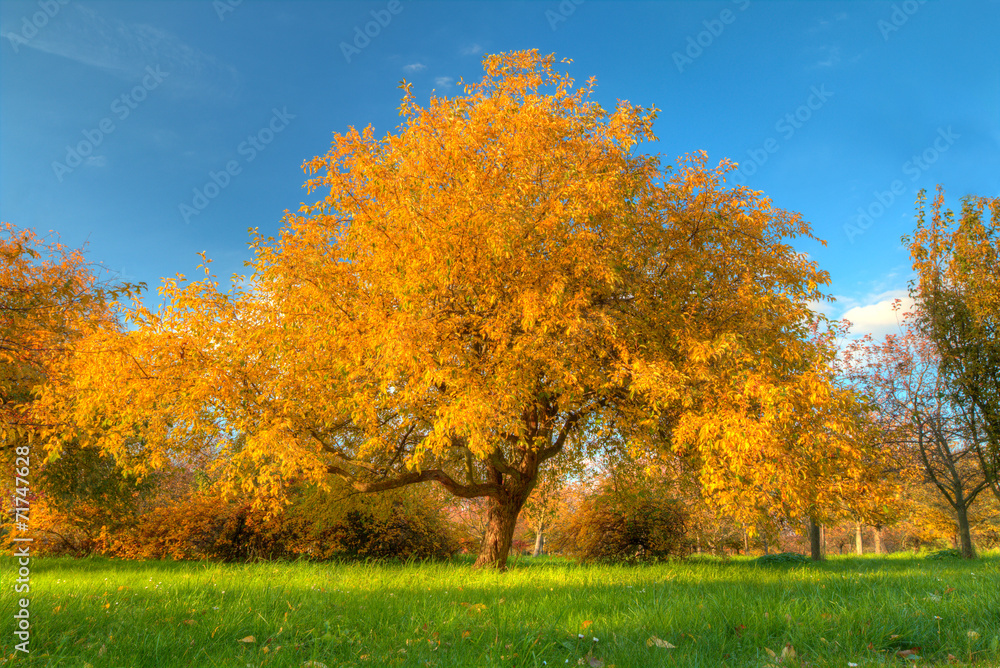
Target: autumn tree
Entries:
(48, 298)
(957, 296)
(502, 281)
(904, 380)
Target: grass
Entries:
(846, 611)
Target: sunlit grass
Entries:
(716, 613)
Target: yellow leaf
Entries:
(659, 642)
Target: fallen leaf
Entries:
(659, 642)
(583, 627)
(313, 664)
(787, 654)
(247, 639)
(770, 653)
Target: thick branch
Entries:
(416, 477)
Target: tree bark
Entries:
(815, 548)
(859, 544)
(539, 541)
(501, 519)
(879, 546)
(964, 533)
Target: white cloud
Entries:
(825, 308)
(97, 161)
(471, 50)
(878, 317)
(444, 82)
(414, 67)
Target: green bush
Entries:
(950, 553)
(782, 558)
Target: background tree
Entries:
(49, 300)
(502, 280)
(904, 379)
(542, 505)
(957, 294)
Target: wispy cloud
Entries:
(414, 67)
(830, 56)
(97, 161)
(444, 82)
(471, 50)
(126, 49)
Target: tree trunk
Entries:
(879, 547)
(539, 541)
(501, 518)
(965, 535)
(859, 544)
(815, 549)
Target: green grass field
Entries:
(542, 612)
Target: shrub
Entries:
(633, 525)
(783, 558)
(950, 553)
(399, 524)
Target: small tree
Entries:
(904, 380)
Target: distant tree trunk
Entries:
(859, 544)
(746, 542)
(815, 544)
(964, 533)
(879, 546)
(539, 541)
(763, 538)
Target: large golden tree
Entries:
(502, 281)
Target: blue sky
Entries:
(833, 109)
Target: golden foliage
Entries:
(502, 280)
